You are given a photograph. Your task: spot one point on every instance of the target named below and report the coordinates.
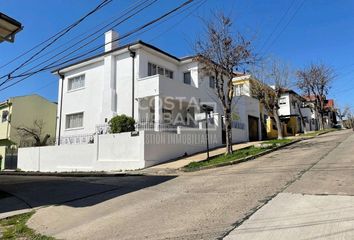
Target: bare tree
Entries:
(341, 113)
(346, 117)
(221, 53)
(315, 81)
(34, 133)
(277, 75)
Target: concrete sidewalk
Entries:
(300, 217)
(319, 205)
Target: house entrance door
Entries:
(253, 128)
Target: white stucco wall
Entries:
(117, 151)
(87, 100)
(57, 158)
(245, 106)
(285, 109)
(162, 146)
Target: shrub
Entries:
(122, 123)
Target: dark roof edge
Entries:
(122, 47)
(10, 19)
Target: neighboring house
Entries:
(290, 104)
(267, 128)
(248, 108)
(159, 90)
(293, 107)
(22, 112)
(329, 114)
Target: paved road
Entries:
(320, 205)
(201, 205)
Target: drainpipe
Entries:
(8, 120)
(61, 105)
(132, 55)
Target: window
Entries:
(75, 120)
(282, 101)
(187, 78)
(76, 82)
(161, 70)
(212, 82)
(168, 73)
(154, 69)
(4, 116)
(239, 90)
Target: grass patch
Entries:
(278, 141)
(15, 228)
(316, 133)
(239, 154)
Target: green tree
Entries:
(122, 123)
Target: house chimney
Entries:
(110, 44)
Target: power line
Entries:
(277, 26)
(92, 40)
(202, 2)
(179, 22)
(120, 38)
(88, 35)
(68, 29)
(25, 76)
(286, 25)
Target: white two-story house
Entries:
(164, 95)
(292, 109)
(138, 80)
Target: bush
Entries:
(122, 123)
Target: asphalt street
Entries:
(207, 204)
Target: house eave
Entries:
(117, 51)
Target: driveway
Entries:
(200, 205)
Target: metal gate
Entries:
(11, 161)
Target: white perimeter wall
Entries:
(117, 151)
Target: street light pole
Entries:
(207, 109)
(206, 132)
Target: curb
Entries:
(68, 174)
(241, 160)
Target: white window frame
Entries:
(239, 89)
(212, 82)
(76, 127)
(159, 70)
(190, 77)
(4, 118)
(75, 77)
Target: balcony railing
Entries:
(152, 126)
(77, 139)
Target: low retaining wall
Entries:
(117, 151)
